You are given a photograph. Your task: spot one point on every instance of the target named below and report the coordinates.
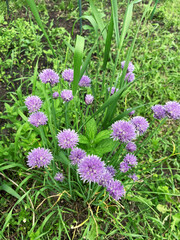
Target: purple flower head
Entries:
(172, 110)
(130, 159)
(131, 113)
(66, 95)
(159, 111)
(39, 157)
(124, 167)
(116, 189)
(124, 131)
(68, 75)
(130, 66)
(85, 81)
(130, 77)
(67, 138)
(55, 95)
(131, 147)
(111, 170)
(59, 177)
(140, 123)
(91, 168)
(33, 103)
(113, 90)
(89, 99)
(133, 177)
(37, 119)
(77, 155)
(105, 178)
(49, 76)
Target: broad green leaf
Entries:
(91, 129)
(9, 190)
(102, 135)
(83, 139)
(105, 146)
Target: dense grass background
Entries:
(151, 209)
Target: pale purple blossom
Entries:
(124, 167)
(113, 90)
(55, 95)
(159, 111)
(111, 170)
(59, 177)
(131, 113)
(68, 75)
(85, 81)
(39, 157)
(133, 177)
(105, 178)
(123, 131)
(89, 99)
(49, 76)
(131, 147)
(172, 109)
(116, 189)
(130, 66)
(67, 138)
(66, 95)
(130, 77)
(33, 103)
(130, 159)
(37, 119)
(140, 123)
(91, 168)
(77, 155)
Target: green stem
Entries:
(53, 110)
(66, 115)
(69, 179)
(41, 130)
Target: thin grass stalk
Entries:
(80, 15)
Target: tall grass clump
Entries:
(79, 142)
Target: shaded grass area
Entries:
(151, 212)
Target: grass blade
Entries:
(115, 19)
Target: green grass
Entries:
(30, 207)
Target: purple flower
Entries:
(130, 66)
(37, 119)
(85, 81)
(89, 99)
(91, 168)
(67, 138)
(49, 76)
(111, 170)
(59, 177)
(130, 77)
(131, 113)
(130, 159)
(124, 167)
(172, 109)
(113, 90)
(116, 189)
(68, 75)
(66, 95)
(159, 111)
(105, 178)
(140, 123)
(124, 131)
(131, 147)
(133, 177)
(39, 157)
(77, 155)
(33, 103)
(55, 95)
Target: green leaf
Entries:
(62, 158)
(102, 135)
(83, 139)
(105, 146)
(9, 190)
(91, 129)
(162, 208)
(78, 54)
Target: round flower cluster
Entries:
(129, 75)
(113, 90)
(159, 111)
(77, 155)
(130, 66)
(33, 103)
(89, 99)
(68, 75)
(133, 177)
(129, 161)
(67, 139)
(116, 189)
(59, 177)
(123, 131)
(37, 119)
(49, 76)
(66, 95)
(39, 157)
(131, 147)
(55, 95)
(140, 123)
(85, 81)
